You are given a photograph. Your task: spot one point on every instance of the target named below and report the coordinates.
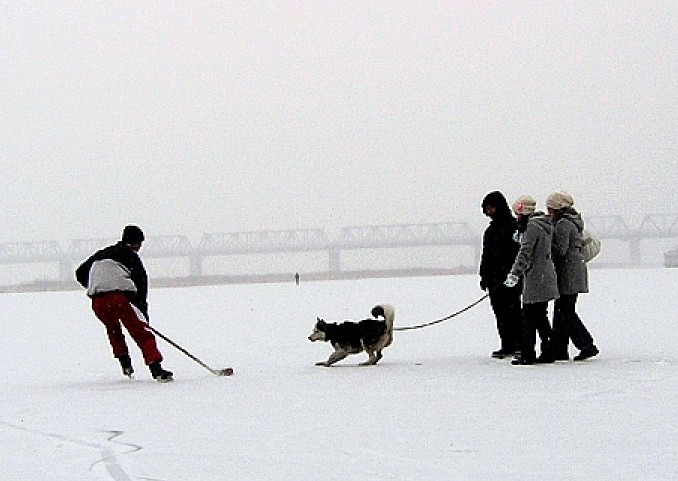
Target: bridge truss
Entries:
(317, 240)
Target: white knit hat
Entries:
(524, 205)
(559, 200)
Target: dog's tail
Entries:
(387, 311)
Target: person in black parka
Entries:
(499, 253)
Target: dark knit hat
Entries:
(131, 235)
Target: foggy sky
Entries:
(196, 117)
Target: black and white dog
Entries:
(369, 335)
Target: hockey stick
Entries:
(217, 372)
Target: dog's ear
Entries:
(319, 321)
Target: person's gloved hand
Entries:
(511, 280)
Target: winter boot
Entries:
(586, 353)
(524, 359)
(160, 374)
(503, 353)
(561, 356)
(546, 356)
(126, 365)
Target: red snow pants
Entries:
(113, 309)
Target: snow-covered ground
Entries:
(436, 407)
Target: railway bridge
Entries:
(653, 226)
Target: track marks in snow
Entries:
(108, 455)
(111, 461)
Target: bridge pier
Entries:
(195, 265)
(634, 252)
(335, 260)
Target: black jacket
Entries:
(499, 250)
(125, 256)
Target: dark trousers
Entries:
(535, 319)
(567, 325)
(505, 303)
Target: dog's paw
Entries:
(322, 363)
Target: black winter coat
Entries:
(499, 251)
(123, 254)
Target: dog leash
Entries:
(437, 321)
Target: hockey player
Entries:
(117, 283)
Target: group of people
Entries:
(530, 258)
(527, 261)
